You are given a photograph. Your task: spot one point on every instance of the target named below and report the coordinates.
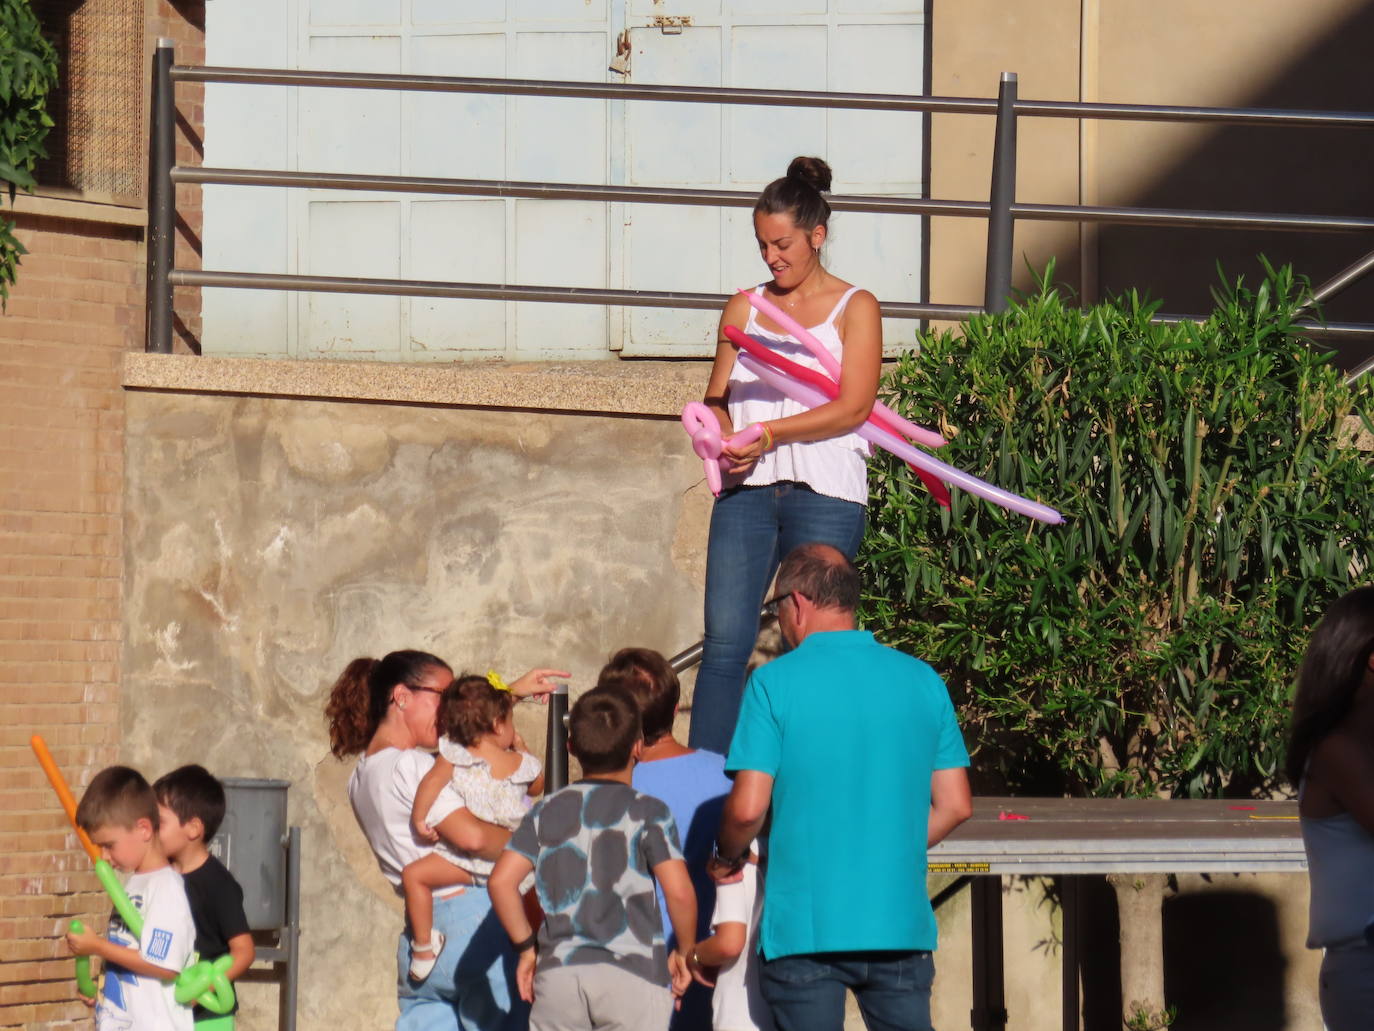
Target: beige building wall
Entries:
(1245, 53)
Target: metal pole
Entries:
(1070, 888)
(1338, 282)
(997, 286)
(292, 931)
(161, 203)
(989, 989)
(556, 742)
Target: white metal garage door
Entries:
(866, 45)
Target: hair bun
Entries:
(812, 171)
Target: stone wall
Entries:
(270, 540)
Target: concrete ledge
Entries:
(85, 209)
(604, 387)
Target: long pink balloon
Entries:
(828, 387)
(831, 365)
(812, 398)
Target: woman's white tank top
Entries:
(836, 467)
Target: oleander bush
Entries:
(28, 72)
(1215, 503)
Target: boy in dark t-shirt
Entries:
(191, 804)
(596, 849)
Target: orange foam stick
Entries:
(64, 793)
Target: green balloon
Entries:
(205, 983)
(85, 984)
(132, 918)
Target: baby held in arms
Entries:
(491, 770)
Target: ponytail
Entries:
(359, 699)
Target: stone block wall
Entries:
(270, 540)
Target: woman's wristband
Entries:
(527, 943)
(766, 436)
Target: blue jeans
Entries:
(806, 993)
(472, 985)
(752, 529)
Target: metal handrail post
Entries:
(997, 285)
(161, 202)
(286, 1007)
(556, 742)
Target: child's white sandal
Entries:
(422, 966)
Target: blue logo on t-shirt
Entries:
(112, 988)
(160, 945)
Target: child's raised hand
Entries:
(82, 943)
(424, 831)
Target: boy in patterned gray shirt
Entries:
(596, 848)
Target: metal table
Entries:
(1069, 837)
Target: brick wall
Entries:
(77, 308)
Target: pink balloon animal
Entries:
(703, 427)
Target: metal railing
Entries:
(1001, 209)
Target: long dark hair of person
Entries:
(360, 697)
(1334, 667)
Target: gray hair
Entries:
(822, 574)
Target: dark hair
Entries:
(118, 796)
(471, 707)
(645, 676)
(193, 793)
(360, 697)
(821, 573)
(1333, 668)
(799, 194)
(602, 730)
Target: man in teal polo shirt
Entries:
(856, 748)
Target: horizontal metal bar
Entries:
(581, 90)
(499, 292)
(1321, 330)
(1181, 217)
(1173, 113)
(745, 198)
(765, 97)
(596, 295)
(555, 191)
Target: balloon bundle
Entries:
(883, 427)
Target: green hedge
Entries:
(1214, 505)
(28, 71)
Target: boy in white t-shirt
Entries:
(119, 813)
(733, 950)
